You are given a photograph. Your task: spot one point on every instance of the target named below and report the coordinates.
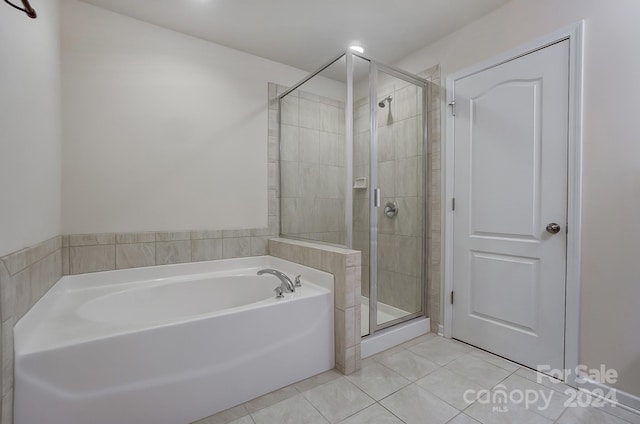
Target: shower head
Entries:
(382, 103)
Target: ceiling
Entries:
(307, 33)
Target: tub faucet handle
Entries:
(279, 292)
(298, 283)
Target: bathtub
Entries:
(169, 344)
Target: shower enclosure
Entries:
(353, 169)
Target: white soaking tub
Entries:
(169, 344)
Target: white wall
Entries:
(162, 131)
(611, 232)
(29, 126)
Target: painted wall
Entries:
(610, 267)
(162, 131)
(29, 127)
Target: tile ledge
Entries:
(319, 246)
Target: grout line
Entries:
(461, 413)
(563, 412)
(389, 411)
(312, 405)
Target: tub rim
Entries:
(321, 284)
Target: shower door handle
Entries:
(376, 198)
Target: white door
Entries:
(510, 185)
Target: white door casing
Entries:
(510, 179)
(575, 35)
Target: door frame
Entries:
(374, 69)
(575, 34)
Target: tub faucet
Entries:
(286, 283)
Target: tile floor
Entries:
(422, 381)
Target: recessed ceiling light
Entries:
(356, 48)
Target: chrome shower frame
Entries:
(374, 68)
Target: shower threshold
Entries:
(386, 313)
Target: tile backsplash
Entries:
(84, 253)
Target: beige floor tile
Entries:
(295, 410)
(243, 420)
(495, 360)
(414, 405)
(440, 350)
(549, 404)
(388, 352)
(375, 414)
(437, 396)
(588, 415)
(545, 380)
(409, 365)
(226, 416)
(270, 399)
(317, 380)
(480, 372)
(338, 399)
(450, 387)
(463, 419)
(418, 340)
(623, 413)
(378, 381)
(487, 414)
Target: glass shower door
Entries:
(352, 173)
(398, 208)
(361, 182)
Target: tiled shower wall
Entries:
(313, 167)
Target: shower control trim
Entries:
(376, 198)
(391, 209)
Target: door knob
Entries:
(553, 228)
